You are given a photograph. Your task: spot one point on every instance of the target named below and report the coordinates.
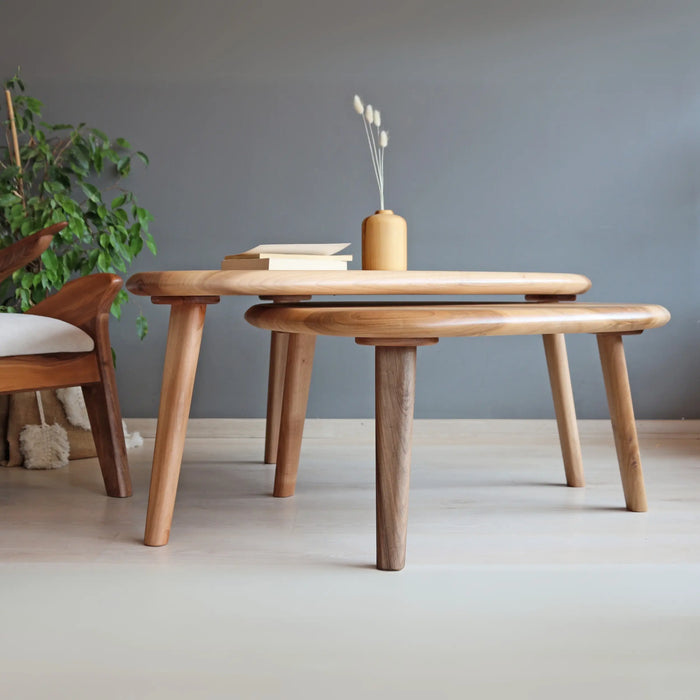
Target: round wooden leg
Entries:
(395, 381)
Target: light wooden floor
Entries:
(515, 586)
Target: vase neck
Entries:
(384, 211)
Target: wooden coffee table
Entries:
(189, 292)
(395, 330)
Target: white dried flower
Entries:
(383, 139)
(369, 114)
(357, 104)
(377, 118)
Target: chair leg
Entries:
(563, 395)
(395, 379)
(181, 355)
(275, 391)
(102, 403)
(300, 359)
(617, 387)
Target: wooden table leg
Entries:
(181, 355)
(563, 395)
(300, 358)
(395, 381)
(275, 390)
(617, 387)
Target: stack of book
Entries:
(299, 256)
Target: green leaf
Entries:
(48, 257)
(7, 200)
(93, 194)
(33, 105)
(151, 244)
(123, 143)
(135, 246)
(141, 326)
(124, 166)
(143, 157)
(9, 173)
(119, 201)
(115, 309)
(54, 187)
(100, 134)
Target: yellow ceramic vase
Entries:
(384, 241)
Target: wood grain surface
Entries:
(307, 282)
(564, 409)
(617, 388)
(275, 391)
(395, 388)
(297, 378)
(451, 320)
(181, 355)
(26, 250)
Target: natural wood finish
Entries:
(395, 378)
(285, 299)
(24, 251)
(397, 342)
(102, 402)
(181, 356)
(550, 297)
(360, 282)
(617, 388)
(384, 241)
(82, 303)
(563, 396)
(85, 303)
(449, 320)
(300, 356)
(29, 372)
(171, 300)
(275, 391)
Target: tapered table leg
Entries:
(617, 387)
(395, 379)
(300, 358)
(563, 395)
(275, 391)
(181, 355)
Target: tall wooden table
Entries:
(189, 292)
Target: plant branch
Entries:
(15, 142)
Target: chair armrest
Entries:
(30, 248)
(82, 301)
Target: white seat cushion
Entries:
(25, 334)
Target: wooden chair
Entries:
(64, 341)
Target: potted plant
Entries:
(51, 173)
(61, 172)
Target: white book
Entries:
(323, 262)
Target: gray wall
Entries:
(558, 135)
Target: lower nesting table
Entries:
(395, 330)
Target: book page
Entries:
(298, 248)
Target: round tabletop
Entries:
(183, 283)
